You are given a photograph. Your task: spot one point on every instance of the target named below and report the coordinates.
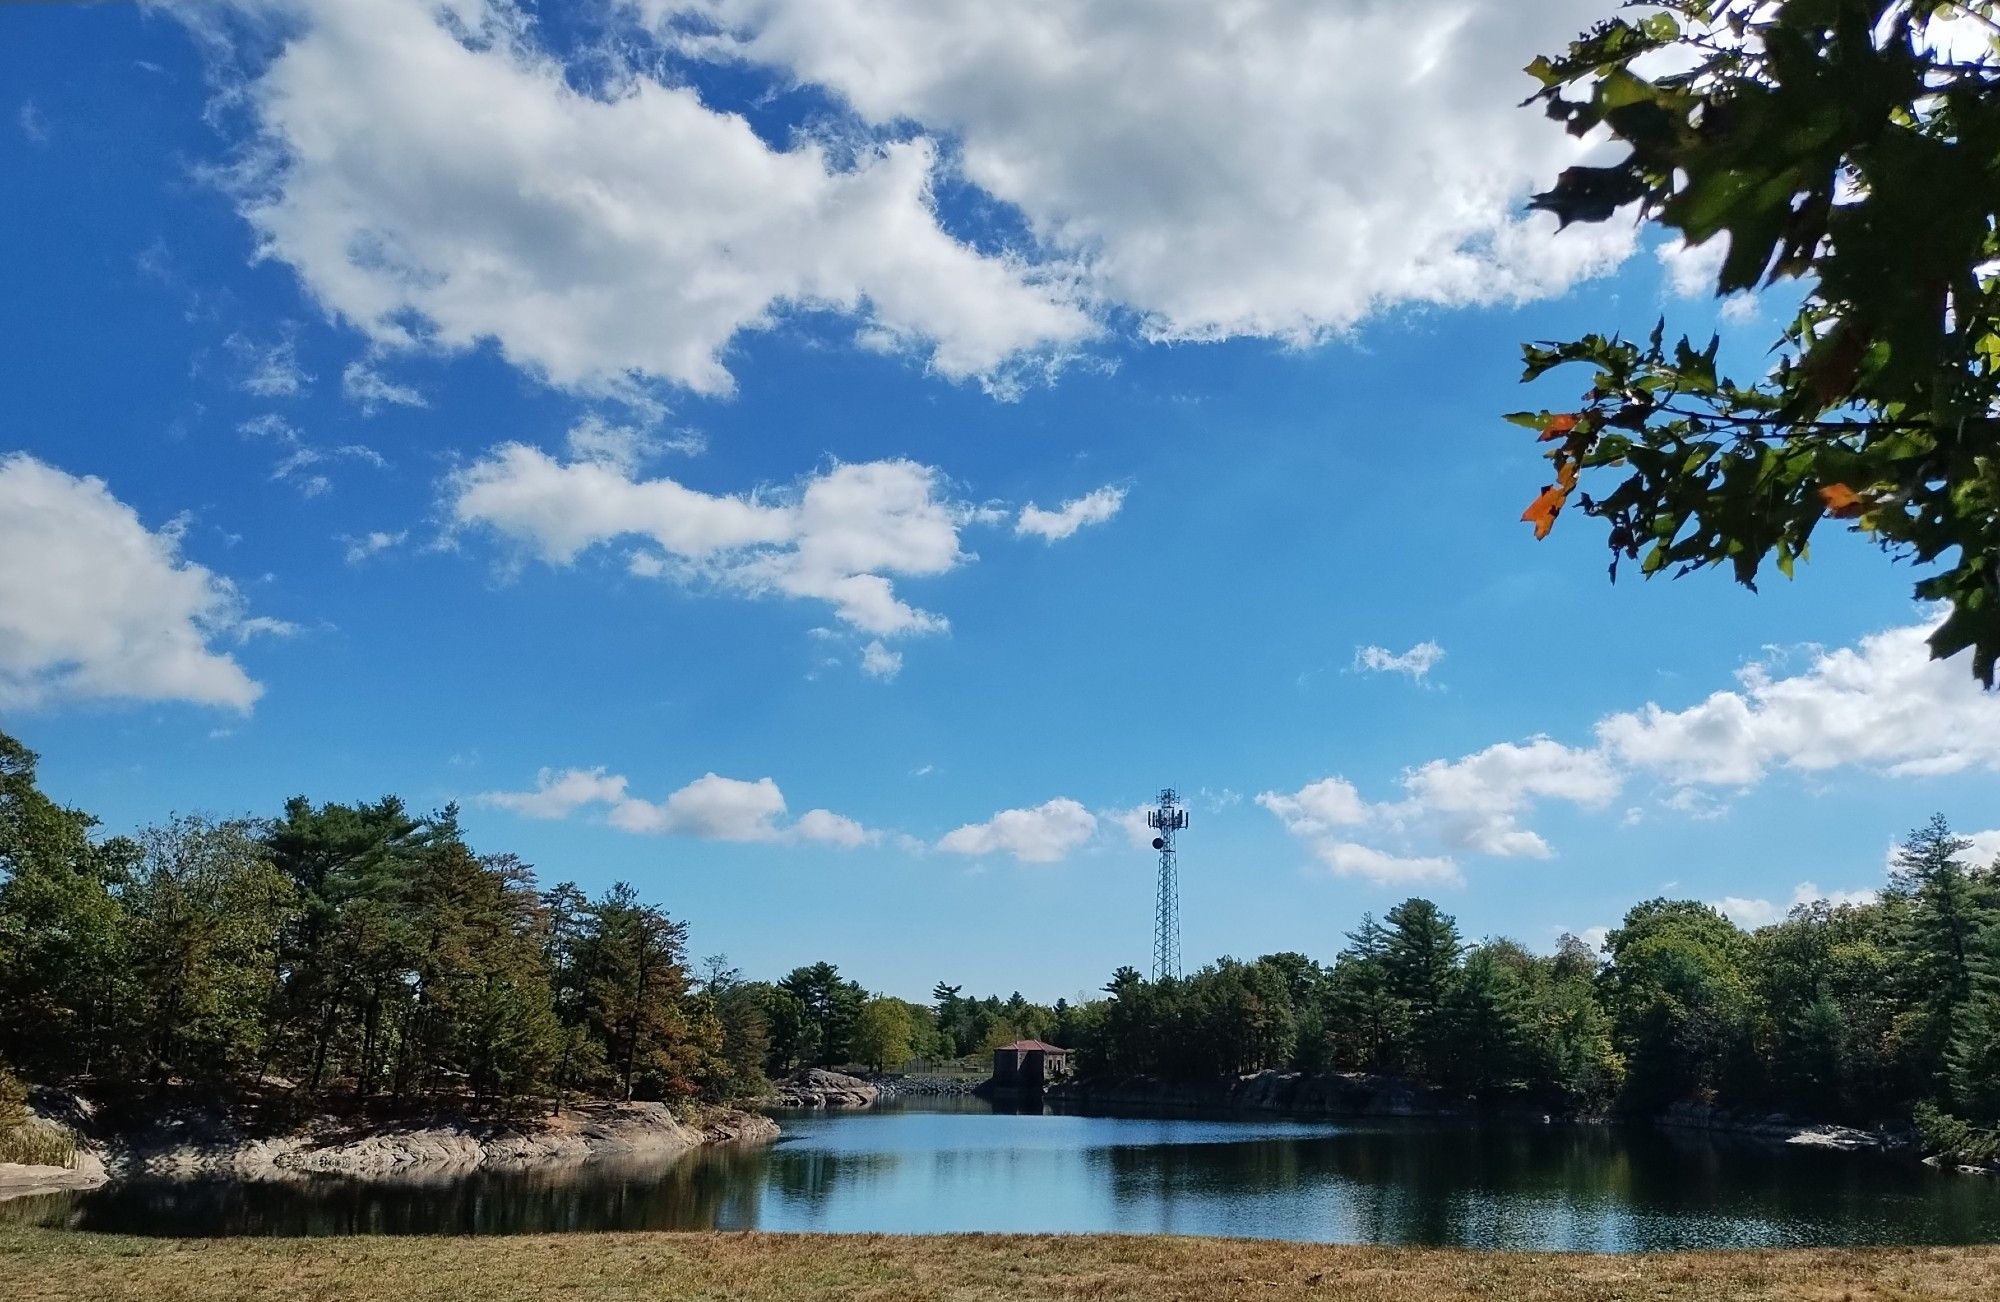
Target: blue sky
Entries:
(545, 414)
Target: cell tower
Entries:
(1168, 819)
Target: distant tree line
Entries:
(367, 952)
(1863, 1013)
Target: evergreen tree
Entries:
(832, 1004)
(1421, 962)
(206, 910)
(65, 976)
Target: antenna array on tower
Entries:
(1166, 820)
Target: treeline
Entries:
(365, 952)
(1864, 1013)
(368, 952)
(354, 948)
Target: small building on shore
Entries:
(1029, 1064)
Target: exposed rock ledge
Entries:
(815, 1088)
(214, 1146)
(18, 1180)
(210, 1142)
(1779, 1128)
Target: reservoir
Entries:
(935, 1166)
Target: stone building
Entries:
(1029, 1064)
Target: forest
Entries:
(366, 953)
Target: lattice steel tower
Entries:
(1168, 819)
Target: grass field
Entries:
(43, 1266)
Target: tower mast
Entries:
(1166, 820)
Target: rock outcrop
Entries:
(211, 1141)
(218, 1145)
(815, 1088)
(1780, 1128)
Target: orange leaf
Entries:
(1542, 511)
(1566, 475)
(1842, 502)
(1558, 426)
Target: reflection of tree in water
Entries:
(1574, 1187)
(810, 1175)
(701, 1191)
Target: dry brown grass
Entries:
(47, 1266)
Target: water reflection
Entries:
(965, 1167)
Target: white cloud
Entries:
(33, 124)
(1417, 662)
(370, 390)
(560, 794)
(1318, 807)
(372, 543)
(1475, 801)
(1985, 851)
(438, 179)
(1884, 705)
(626, 447)
(1277, 168)
(1045, 834)
(303, 463)
(1692, 272)
(711, 808)
(839, 537)
(268, 370)
(1692, 269)
(878, 661)
(1052, 526)
(1132, 822)
(1983, 854)
(1350, 859)
(1471, 804)
(93, 605)
(1754, 913)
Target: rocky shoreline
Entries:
(210, 1142)
(1782, 1129)
(816, 1087)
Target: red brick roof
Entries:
(1023, 1046)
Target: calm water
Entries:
(965, 1167)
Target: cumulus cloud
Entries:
(878, 661)
(1053, 526)
(1984, 851)
(95, 606)
(1045, 834)
(1417, 662)
(372, 543)
(1883, 705)
(1754, 913)
(840, 537)
(1352, 859)
(1318, 807)
(1132, 822)
(600, 235)
(1693, 269)
(1220, 170)
(1473, 803)
(710, 808)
